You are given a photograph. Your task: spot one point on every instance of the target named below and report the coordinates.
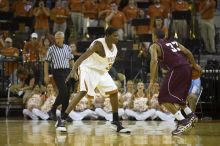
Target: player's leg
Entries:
(183, 124)
(114, 103)
(191, 116)
(173, 93)
(106, 85)
(88, 82)
(60, 124)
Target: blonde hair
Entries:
(59, 33)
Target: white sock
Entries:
(178, 115)
(187, 110)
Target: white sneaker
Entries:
(60, 125)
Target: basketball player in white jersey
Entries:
(93, 67)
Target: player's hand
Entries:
(75, 76)
(198, 68)
(72, 74)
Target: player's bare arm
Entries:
(153, 64)
(97, 47)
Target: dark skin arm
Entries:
(155, 53)
(96, 48)
(190, 57)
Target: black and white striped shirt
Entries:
(59, 57)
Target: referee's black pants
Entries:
(62, 98)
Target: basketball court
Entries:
(99, 133)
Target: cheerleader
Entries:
(82, 110)
(138, 106)
(161, 111)
(34, 101)
(105, 111)
(49, 100)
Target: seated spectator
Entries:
(4, 5)
(130, 87)
(106, 110)
(82, 111)
(194, 93)
(161, 112)
(34, 100)
(98, 101)
(138, 107)
(127, 96)
(49, 99)
(25, 84)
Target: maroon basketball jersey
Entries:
(171, 55)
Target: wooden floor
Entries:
(99, 133)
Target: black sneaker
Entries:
(119, 128)
(60, 125)
(192, 118)
(182, 127)
(52, 115)
(68, 119)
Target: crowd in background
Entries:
(73, 17)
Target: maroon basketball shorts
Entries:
(175, 86)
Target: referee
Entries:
(61, 58)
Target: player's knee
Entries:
(114, 94)
(83, 93)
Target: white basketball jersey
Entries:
(96, 62)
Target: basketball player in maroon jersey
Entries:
(179, 61)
